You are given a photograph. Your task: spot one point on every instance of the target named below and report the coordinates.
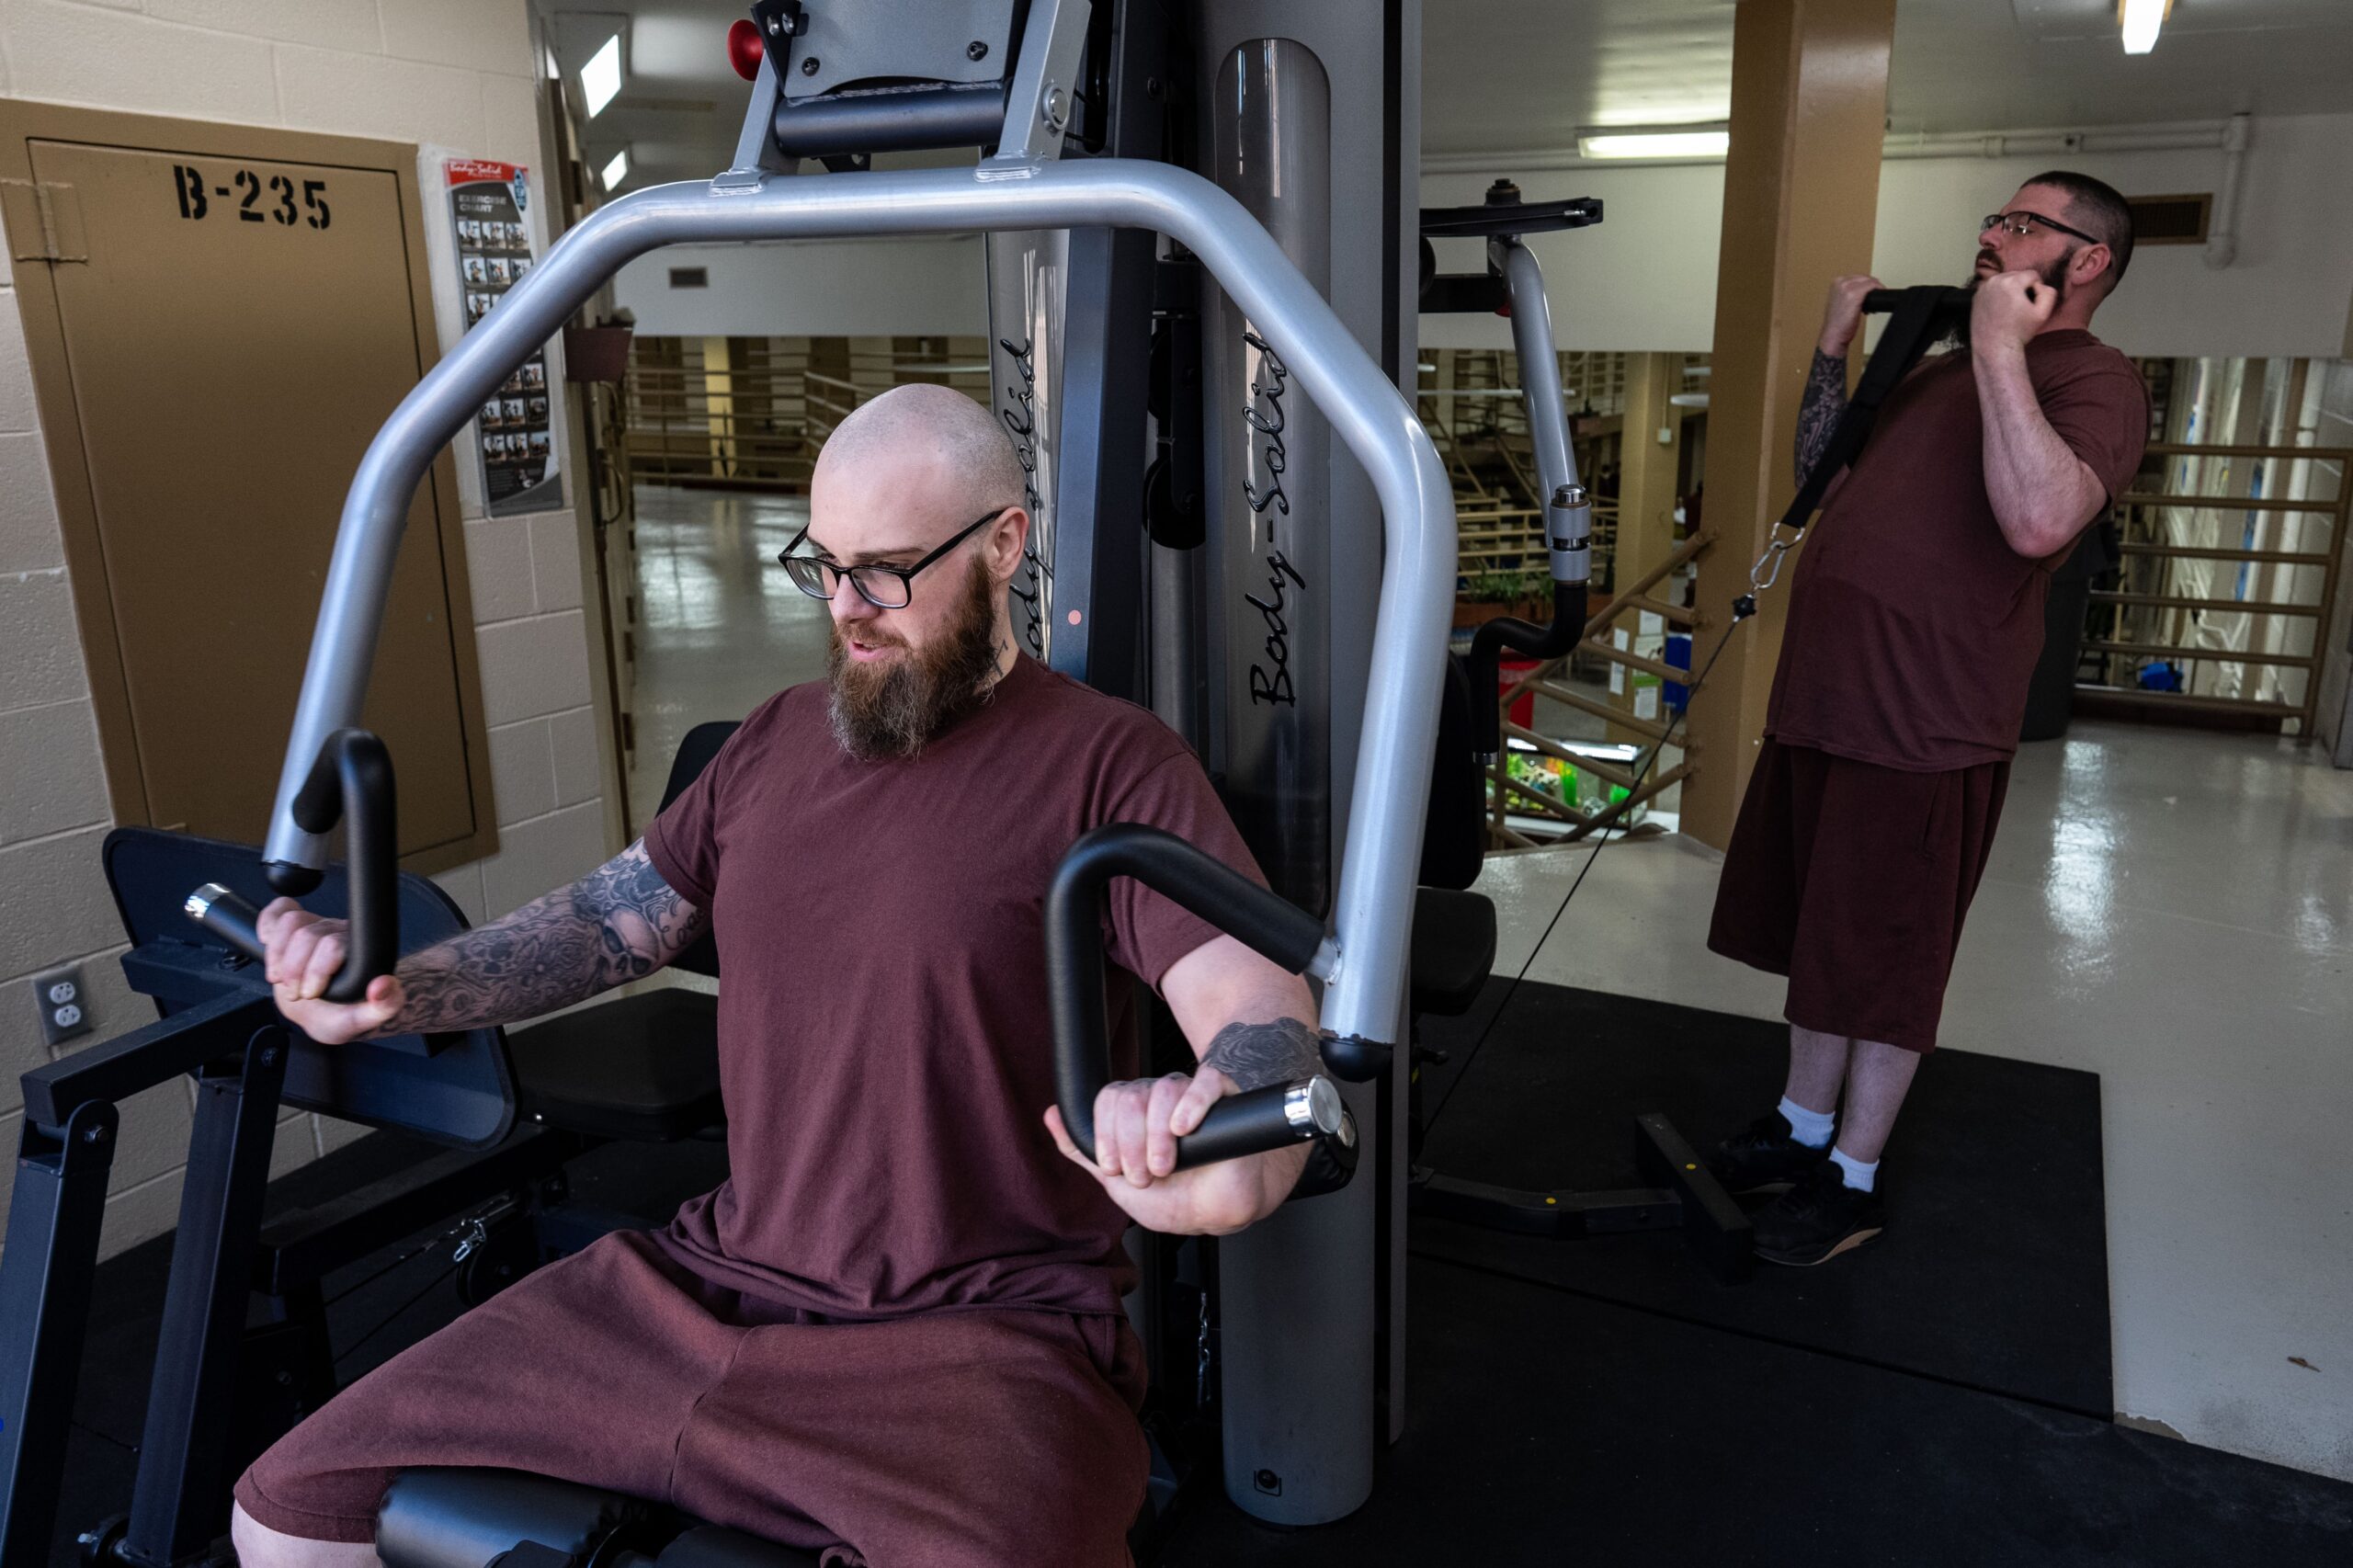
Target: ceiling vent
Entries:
(2170, 220)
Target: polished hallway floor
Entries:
(720, 628)
(2170, 909)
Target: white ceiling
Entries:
(1512, 75)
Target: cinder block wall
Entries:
(453, 75)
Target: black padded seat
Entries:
(446, 1517)
(467, 1518)
(644, 1068)
(1453, 949)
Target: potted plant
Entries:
(1483, 595)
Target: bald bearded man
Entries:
(895, 1331)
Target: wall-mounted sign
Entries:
(519, 469)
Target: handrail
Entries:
(2142, 618)
(1369, 413)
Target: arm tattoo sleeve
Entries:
(1254, 1055)
(619, 923)
(1826, 400)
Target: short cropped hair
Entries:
(2097, 208)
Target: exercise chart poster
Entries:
(512, 432)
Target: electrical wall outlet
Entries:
(64, 1006)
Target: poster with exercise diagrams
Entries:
(518, 453)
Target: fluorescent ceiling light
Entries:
(602, 77)
(616, 171)
(1656, 144)
(2141, 18)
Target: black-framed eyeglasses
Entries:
(2021, 224)
(884, 587)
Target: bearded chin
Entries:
(2054, 277)
(895, 709)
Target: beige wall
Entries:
(457, 77)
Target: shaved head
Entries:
(933, 432)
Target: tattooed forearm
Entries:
(1254, 1055)
(621, 922)
(1826, 400)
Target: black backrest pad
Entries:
(1455, 838)
(702, 744)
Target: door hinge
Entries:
(44, 220)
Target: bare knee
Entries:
(259, 1546)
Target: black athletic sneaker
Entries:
(1764, 1156)
(1817, 1219)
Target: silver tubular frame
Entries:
(1373, 914)
(1568, 518)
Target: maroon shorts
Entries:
(1853, 880)
(977, 1437)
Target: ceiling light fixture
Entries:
(616, 171)
(602, 77)
(2140, 20)
(1655, 144)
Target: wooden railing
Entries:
(756, 417)
(1507, 796)
(2167, 607)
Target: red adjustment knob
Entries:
(744, 50)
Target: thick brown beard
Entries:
(899, 709)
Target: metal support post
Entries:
(53, 1219)
(180, 1499)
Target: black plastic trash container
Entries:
(2050, 694)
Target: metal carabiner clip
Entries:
(1760, 579)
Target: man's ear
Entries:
(2086, 269)
(1007, 537)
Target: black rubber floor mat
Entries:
(1548, 1428)
(1992, 1272)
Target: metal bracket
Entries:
(756, 154)
(1043, 102)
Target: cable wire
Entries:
(1667, 740)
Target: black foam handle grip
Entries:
(1547, 641)
(229, 918)
(352, 781)
(1258, 1120)
(1199, 883)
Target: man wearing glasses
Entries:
(1916, 617)
(897, 1327)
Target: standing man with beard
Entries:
(1915, 621)
(896, 1330)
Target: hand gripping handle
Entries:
(1248, 1123)
(352, 781)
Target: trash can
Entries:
(2051, 693)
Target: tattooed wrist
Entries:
(1818, 413)
(1282, 1051)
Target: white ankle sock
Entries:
(1810, 1128)
(1859, 1176)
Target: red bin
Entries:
(1508, 673)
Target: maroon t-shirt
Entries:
(884, 1044)
(1913, 627)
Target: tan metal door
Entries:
(238, 333)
